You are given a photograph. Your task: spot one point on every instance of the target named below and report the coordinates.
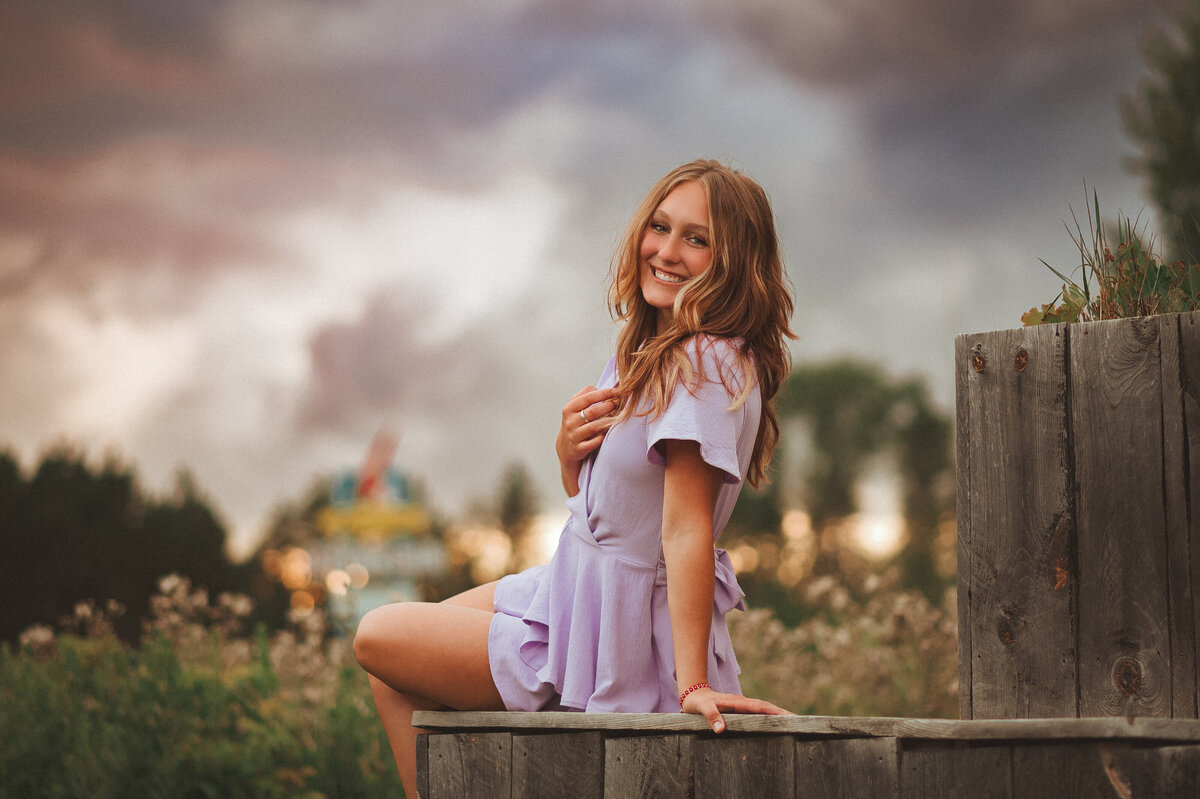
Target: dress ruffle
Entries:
(577, 633)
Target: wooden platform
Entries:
(619, 755)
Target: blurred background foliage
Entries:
(1163, 119)
(72, 530)
(136, 655)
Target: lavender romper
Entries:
(590, 630)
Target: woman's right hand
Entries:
(584, 423)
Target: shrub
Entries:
(890, 654)
(197, 709)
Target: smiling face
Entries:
(676, 246)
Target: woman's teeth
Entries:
(668, 278)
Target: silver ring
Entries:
(583, 416)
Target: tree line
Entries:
(72, 531)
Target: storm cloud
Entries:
(241, 237)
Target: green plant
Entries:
(1131, 282)
(889, 652)
(197, 709)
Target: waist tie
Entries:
(727, 594)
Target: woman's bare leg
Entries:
(423, 656)
(396, 711)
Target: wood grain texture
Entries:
(423, 765)
(1177, 771)
(1182, 655)
(648, 766)
(859, 757)
(472, 765)
(962, 465)
(1116, 769)
(977, 772)
(558, 765)
(1058, 770)
(1189, 379)
(848, 767)
(1124, 636)
(1016, 528)
(744, 767)
(1141, 728)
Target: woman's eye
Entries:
(699, 241)
(658, 227)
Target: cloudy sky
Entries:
(239, 236)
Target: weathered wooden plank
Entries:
(1189, 377)
(1179, 589)
(1058, 770)
(648, 766)
(978, 772)
(1124, 640)
(1054, 758)
(1178, 771)
(1016, 548)
(1140, 728)
(469, 764)
(1117, 769)
(423, 765)
(558, 765)
(1157, 771)
(962, 468)
(749, 767)
(857, 767)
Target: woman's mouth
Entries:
(666, 277)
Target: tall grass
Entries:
(198, 709)
(870, 650)
(1132, 281)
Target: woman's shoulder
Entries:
(720, 360)
(713, 347)
(706, 349)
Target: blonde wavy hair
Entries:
(743, 294)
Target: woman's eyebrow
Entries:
(667, 218)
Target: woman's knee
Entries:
(380, 635)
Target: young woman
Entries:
(629, 615)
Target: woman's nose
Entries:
(669, 251)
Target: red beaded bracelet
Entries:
(695, 687)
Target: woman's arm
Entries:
(689, 496)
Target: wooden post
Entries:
(1078, 470)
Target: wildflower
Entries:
(39, 640)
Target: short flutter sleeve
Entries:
(701, 411)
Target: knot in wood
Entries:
(1145, 330)
(1022, 360)
(1009, 619)
(978, 362)
(1127, 674)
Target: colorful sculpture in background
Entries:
(375, 504)
(374, 546)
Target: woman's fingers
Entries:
(583, 420)
(713, 717)
(745, 704)
(709, 703)
(584, 423)
(703, 701)
(590, 404)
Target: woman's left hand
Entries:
(710, 703)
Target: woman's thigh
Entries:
(435, 651)
(481, 597)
